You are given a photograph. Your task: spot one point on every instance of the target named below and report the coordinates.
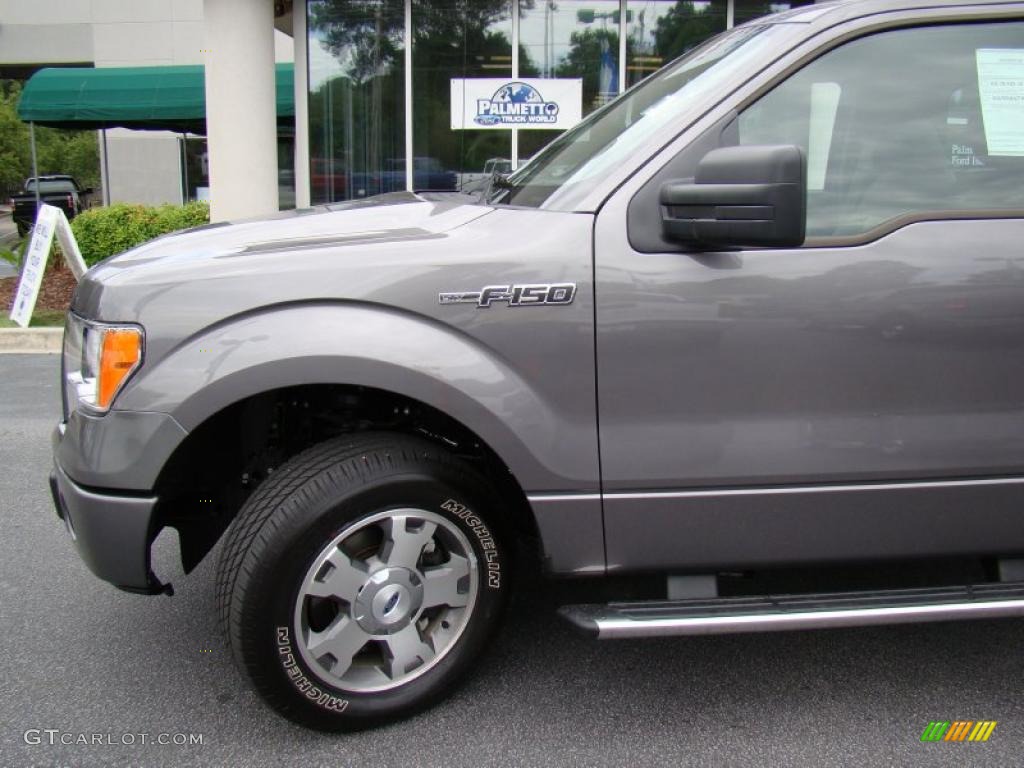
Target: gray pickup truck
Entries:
(740, 352)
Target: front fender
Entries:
(373, 346)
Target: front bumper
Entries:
(119, 453)
(112, 532)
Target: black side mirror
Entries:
(753, 196)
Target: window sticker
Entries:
(963, 138)
(1001, 88)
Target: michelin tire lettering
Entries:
(526, 295)
(491, 557)
(300, 681)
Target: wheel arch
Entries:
(382, 348)
(223, 384)
(208, 477)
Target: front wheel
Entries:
(359, 582)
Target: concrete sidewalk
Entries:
(31, 340)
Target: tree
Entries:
(14, 149)
(57, 151)
(593, 56)
(356, 117)
(685, 27)
(72, 152)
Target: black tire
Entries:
(308, 502)
(22, 229)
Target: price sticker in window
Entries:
(1001, 89)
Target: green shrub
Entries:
(103, 232)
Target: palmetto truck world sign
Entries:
(500, 104)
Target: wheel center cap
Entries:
(388, 601)
(391, 601)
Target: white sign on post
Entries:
(499, 104)
(50, 220)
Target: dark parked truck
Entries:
(740, 352)
(60, 191)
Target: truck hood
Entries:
(396, 253)
(271, 244)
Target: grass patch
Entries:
(43, 318)
(12, 255)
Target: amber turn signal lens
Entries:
(120, 354)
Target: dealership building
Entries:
(385, 94)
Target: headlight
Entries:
(98, 359)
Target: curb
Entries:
(46, 341)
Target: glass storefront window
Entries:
(747, 10)
(356, 98)
(357, 77)
(456, 39)
(657, 32)
(195, 169)
(569, 38)
(286, 172)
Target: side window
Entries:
(915, 121)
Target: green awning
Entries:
(149, 98)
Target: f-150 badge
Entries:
(530, 295)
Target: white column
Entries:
(241, 119)
(301, 104)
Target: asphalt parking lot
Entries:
(79, 657)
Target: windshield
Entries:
(565, 171)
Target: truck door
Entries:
(861, 396)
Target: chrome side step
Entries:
(659, 618)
